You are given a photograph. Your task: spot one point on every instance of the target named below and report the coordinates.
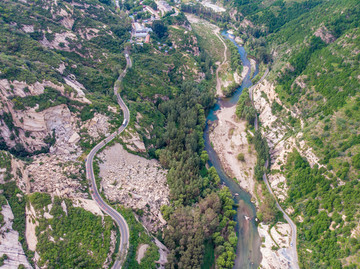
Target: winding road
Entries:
(116, 216)
(291, 250)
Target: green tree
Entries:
(159, 28)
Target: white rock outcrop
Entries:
(134, 182)
(54, 175)
(97, 126)
(274, 246)
(9, 242)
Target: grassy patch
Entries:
(209, 256)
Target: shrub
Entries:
(241, 157)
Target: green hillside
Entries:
(168, 90)
(312, 49)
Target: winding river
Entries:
(248, 249)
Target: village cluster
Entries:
(141, 27)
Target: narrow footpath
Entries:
(218, 82)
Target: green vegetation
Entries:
(312, 47)
(74, 233)
(2, 259)
(235, 60)
(138, 236)
(49, 98)
(90, 52)
(212, 219)
(183, 154)
(208, 40)
(5, 163)
(209, 256)
(159, 28)
(241, 157)
(263, 155)
(2, 203)
(155, 88)
(336, 140)
(17, 202)
(40, 201)
(329, 211)
(268, 211)
(245, 109)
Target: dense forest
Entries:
(329, 214)
(194, 191)
(74, 233)
(177, 141)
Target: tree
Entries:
(356, 161)
(159, 28)
(153, 5)
(241, 157)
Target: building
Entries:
(140, 31)
(147, 39)
(153, 12)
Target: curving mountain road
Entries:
(293, 257)
(116, 216)
(292, 251)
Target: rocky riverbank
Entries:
(238, 157)
(229, 139)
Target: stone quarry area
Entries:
(52, 175)
(134, 182)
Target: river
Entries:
(248, 253)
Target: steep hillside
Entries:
(54, 54)
(59, 61)
(308, 108)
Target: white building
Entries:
(140, 31)
(153, 12)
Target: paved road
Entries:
(292, 248)
(116, 216)
(294, 263)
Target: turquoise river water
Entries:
(248, 253)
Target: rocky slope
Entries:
(135, 182)
(43, 102)
(277, 134)
(9, 242)
(35, 215)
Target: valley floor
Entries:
(229, 139)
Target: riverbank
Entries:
(228, 136)
(237, 156)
